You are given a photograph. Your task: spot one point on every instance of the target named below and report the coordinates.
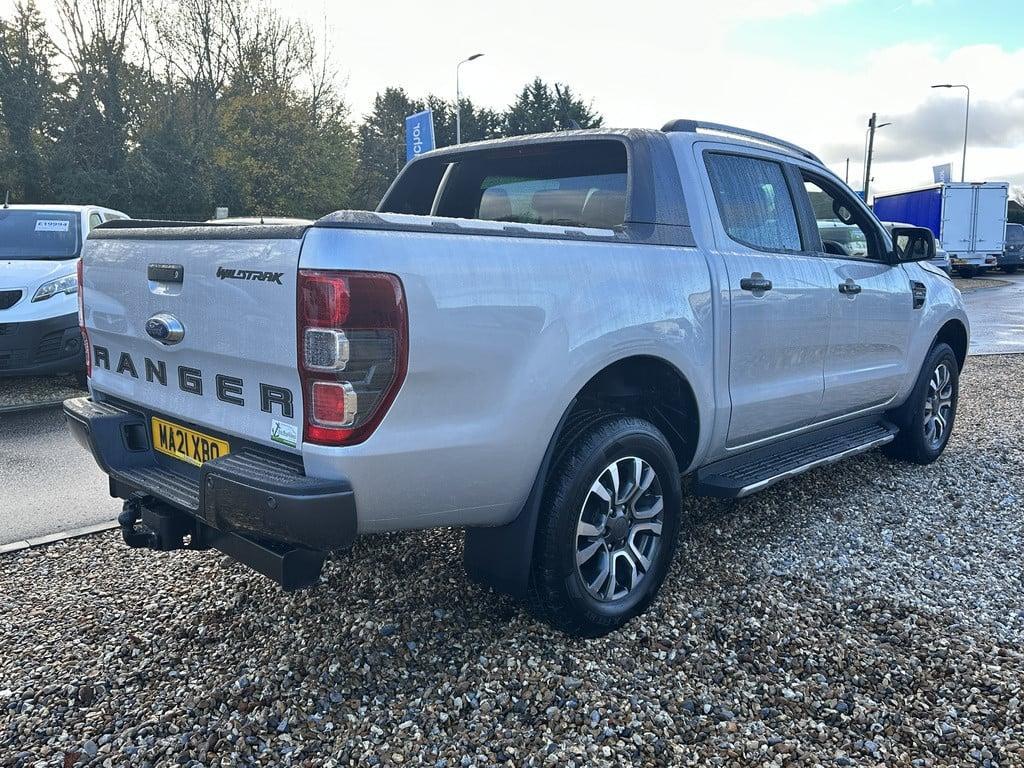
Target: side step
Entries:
(752, 471)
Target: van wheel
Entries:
(1010, 269)
(607, 529)
(81, 379)
(926, 419)
(968, 272)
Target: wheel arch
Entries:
(642, 385)
(652, 388)
(954, 333)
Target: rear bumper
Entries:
(41, 347)
(248, 494)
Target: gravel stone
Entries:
(972, 284)
(865, 614)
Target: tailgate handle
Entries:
(167, 273)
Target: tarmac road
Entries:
(48, 483)
(997, 317)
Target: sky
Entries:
(810, 71)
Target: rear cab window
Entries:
(575, 184)
(39, 235)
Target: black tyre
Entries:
(1010, 269)
(81, 380)
(926, 419)
(968, 272)
(607, 529)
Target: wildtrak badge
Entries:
(227, 273)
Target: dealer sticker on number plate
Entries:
(187, 444)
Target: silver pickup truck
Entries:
(542, 340)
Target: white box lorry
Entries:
(967, 218)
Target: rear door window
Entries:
(754, 202)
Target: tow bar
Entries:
(148, 523)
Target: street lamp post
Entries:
(869, 142)
(458, 97)
(967, 118)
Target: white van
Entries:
(39, 249)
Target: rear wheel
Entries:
(1010, 269)
(608, 528)
(967, 272)
(926, 419)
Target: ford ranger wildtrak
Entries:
(535, 339)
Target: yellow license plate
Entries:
(187, 444)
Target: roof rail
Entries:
(692, 126)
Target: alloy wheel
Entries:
(618, 533)
(938, 406)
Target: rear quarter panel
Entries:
(504, 332)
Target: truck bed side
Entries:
(504, 331)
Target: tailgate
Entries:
(230, 291)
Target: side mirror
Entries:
(913, 243)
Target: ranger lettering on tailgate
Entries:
(228, 388)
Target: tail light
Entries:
(81, 320)
(353, 351)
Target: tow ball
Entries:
(147, 523)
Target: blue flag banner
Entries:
(419, 134)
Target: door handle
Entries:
(757, 283)
(850, 288)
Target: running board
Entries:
(752, 471)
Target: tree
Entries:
(27, 92)
(109, 92)
(381, 146)
(211, 102)
(478, 123)
(276, 160)
(172, 166)
(1015, 209)
(540, 108)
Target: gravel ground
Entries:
(35, 390)
(864, 614)
(969, 285)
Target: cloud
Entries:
(746, 10)
(936, 127)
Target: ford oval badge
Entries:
(165, 328)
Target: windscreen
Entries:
(1015, 233)
(39, 235)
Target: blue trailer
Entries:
(967, 219)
